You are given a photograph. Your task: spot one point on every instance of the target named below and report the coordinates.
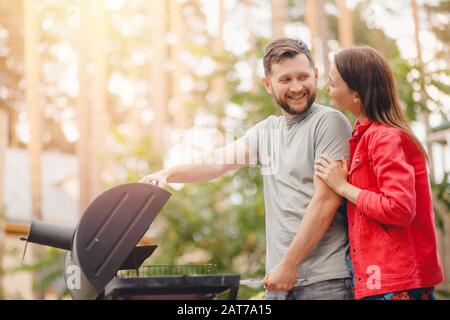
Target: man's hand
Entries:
(317, 218)
(157, 179)
(282, 278)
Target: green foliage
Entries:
(442, 191)
(437, 17)
(47, 269)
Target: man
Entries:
(306, 235)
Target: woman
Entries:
(390, 214)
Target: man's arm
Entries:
(318, 216)
(233, 156)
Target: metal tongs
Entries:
(252, 283)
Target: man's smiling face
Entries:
(293, 83)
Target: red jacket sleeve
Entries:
(395, 203)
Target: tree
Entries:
(178, 69)
(252, 43)
(313, 25)
(4, 128)
(98, 121)
(218, 86)
(324, 29)
(280, 14)
(425, 112)
(32, 75)
(435, 13)
(317, 23)
(11, 65)
(3, 145)
(159, 74)
(437, 18)
(346, 37)
(84, 114)
(431, 78)
(92, 100)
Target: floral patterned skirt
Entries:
(413, 294)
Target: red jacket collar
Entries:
(360, 128)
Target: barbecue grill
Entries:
(103, 260)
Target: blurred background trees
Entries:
(123, 86)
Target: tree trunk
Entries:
(443, 242)
(317, 23)
(84, 117)
(420, 64)
(3, 147)
(4, 129)
(313, 26)
(280, 16)
(158, 76)
(324, 31)
(346, 36)
(99, 124)
(32, 77)
(445, 255)
(178, 71)
(219, 82)
(443, 236)
(248, 17)
(252, 43)
(32, 63)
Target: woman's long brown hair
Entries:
(368, 73)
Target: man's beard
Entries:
(286, 107)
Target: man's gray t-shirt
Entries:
(286, 149)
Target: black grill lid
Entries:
(112, 226)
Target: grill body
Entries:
(103, 249)
(177, 287)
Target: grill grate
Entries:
(169, 270)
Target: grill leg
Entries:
(233, 293)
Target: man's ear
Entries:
(267, 85)
(316, 73)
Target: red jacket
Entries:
(391, 228)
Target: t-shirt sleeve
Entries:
(252, 137)
(332, 134)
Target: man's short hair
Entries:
(284, 48)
